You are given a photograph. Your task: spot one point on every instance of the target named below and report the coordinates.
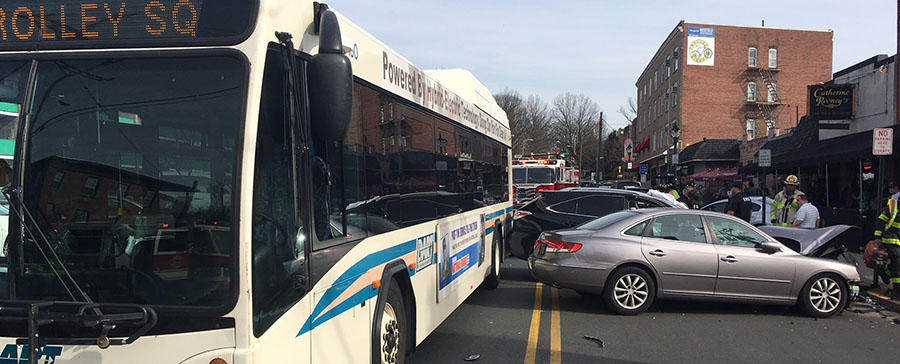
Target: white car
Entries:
(756, 217)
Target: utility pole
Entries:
(599, 144)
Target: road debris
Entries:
(473, 357)
(594, 339)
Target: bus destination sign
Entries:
(62, 24)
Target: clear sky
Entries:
(597, 48)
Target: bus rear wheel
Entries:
(392, 333)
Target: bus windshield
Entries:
(129, 172)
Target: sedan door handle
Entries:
(729, 259)
(658, 253)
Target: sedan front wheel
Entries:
(825, 295)
(629, 291)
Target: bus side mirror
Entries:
(329, 82)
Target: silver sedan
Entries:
(632, 257)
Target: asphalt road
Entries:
(503, 326)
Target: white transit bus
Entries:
(237, 181)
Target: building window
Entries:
(675, 60)
(771, 97)
(751, 57)
(751, 92)
(667, 101)
(668, 67)
(90, 187)
(773, 58)
(674, 94)
(770, 127)
(751, 129)
(655, 80)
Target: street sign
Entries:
(643, 178)
(883, 141)
(644, 169)
(765, 157)
(674, 159)
(629, 166)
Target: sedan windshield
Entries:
(129, 172)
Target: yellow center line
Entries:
(555, 339)
(531, 349)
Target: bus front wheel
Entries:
(392, 332)
(492, 281)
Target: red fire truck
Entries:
(533, 176)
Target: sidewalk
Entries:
(866, 274)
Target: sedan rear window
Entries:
(605, 221)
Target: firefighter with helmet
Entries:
(887, 229)
(784, 206)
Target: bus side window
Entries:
(338, 175)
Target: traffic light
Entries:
(867, 165)
(574, 153)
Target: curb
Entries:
(884, 301)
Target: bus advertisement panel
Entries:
(460, 243)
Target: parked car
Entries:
(632, 257)
(568, 208)
(756, 217)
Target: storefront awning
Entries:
(841, 149)
(643, 145)
(725, 174)
(645, 160)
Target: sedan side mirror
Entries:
(770, 248)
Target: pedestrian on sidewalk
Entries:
(691, 196)
(784, 206)
(887, 228)
(739, 204)
(807, 215)
(752, 190)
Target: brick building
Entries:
(725, 82)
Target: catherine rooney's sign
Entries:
(832, 102)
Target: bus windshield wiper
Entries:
(85, 312)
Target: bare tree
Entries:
(575, 120)
(537, 113)
(511, 102)
(529, 120)
(630, 111)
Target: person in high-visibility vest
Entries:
(784, 205)
(673, 191)
(887, 228)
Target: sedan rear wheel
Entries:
(629, 291)
(824, 295)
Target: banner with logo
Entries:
(701, 49)
(459, 248)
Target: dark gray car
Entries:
(632, 257)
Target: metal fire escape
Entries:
(767, 108)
